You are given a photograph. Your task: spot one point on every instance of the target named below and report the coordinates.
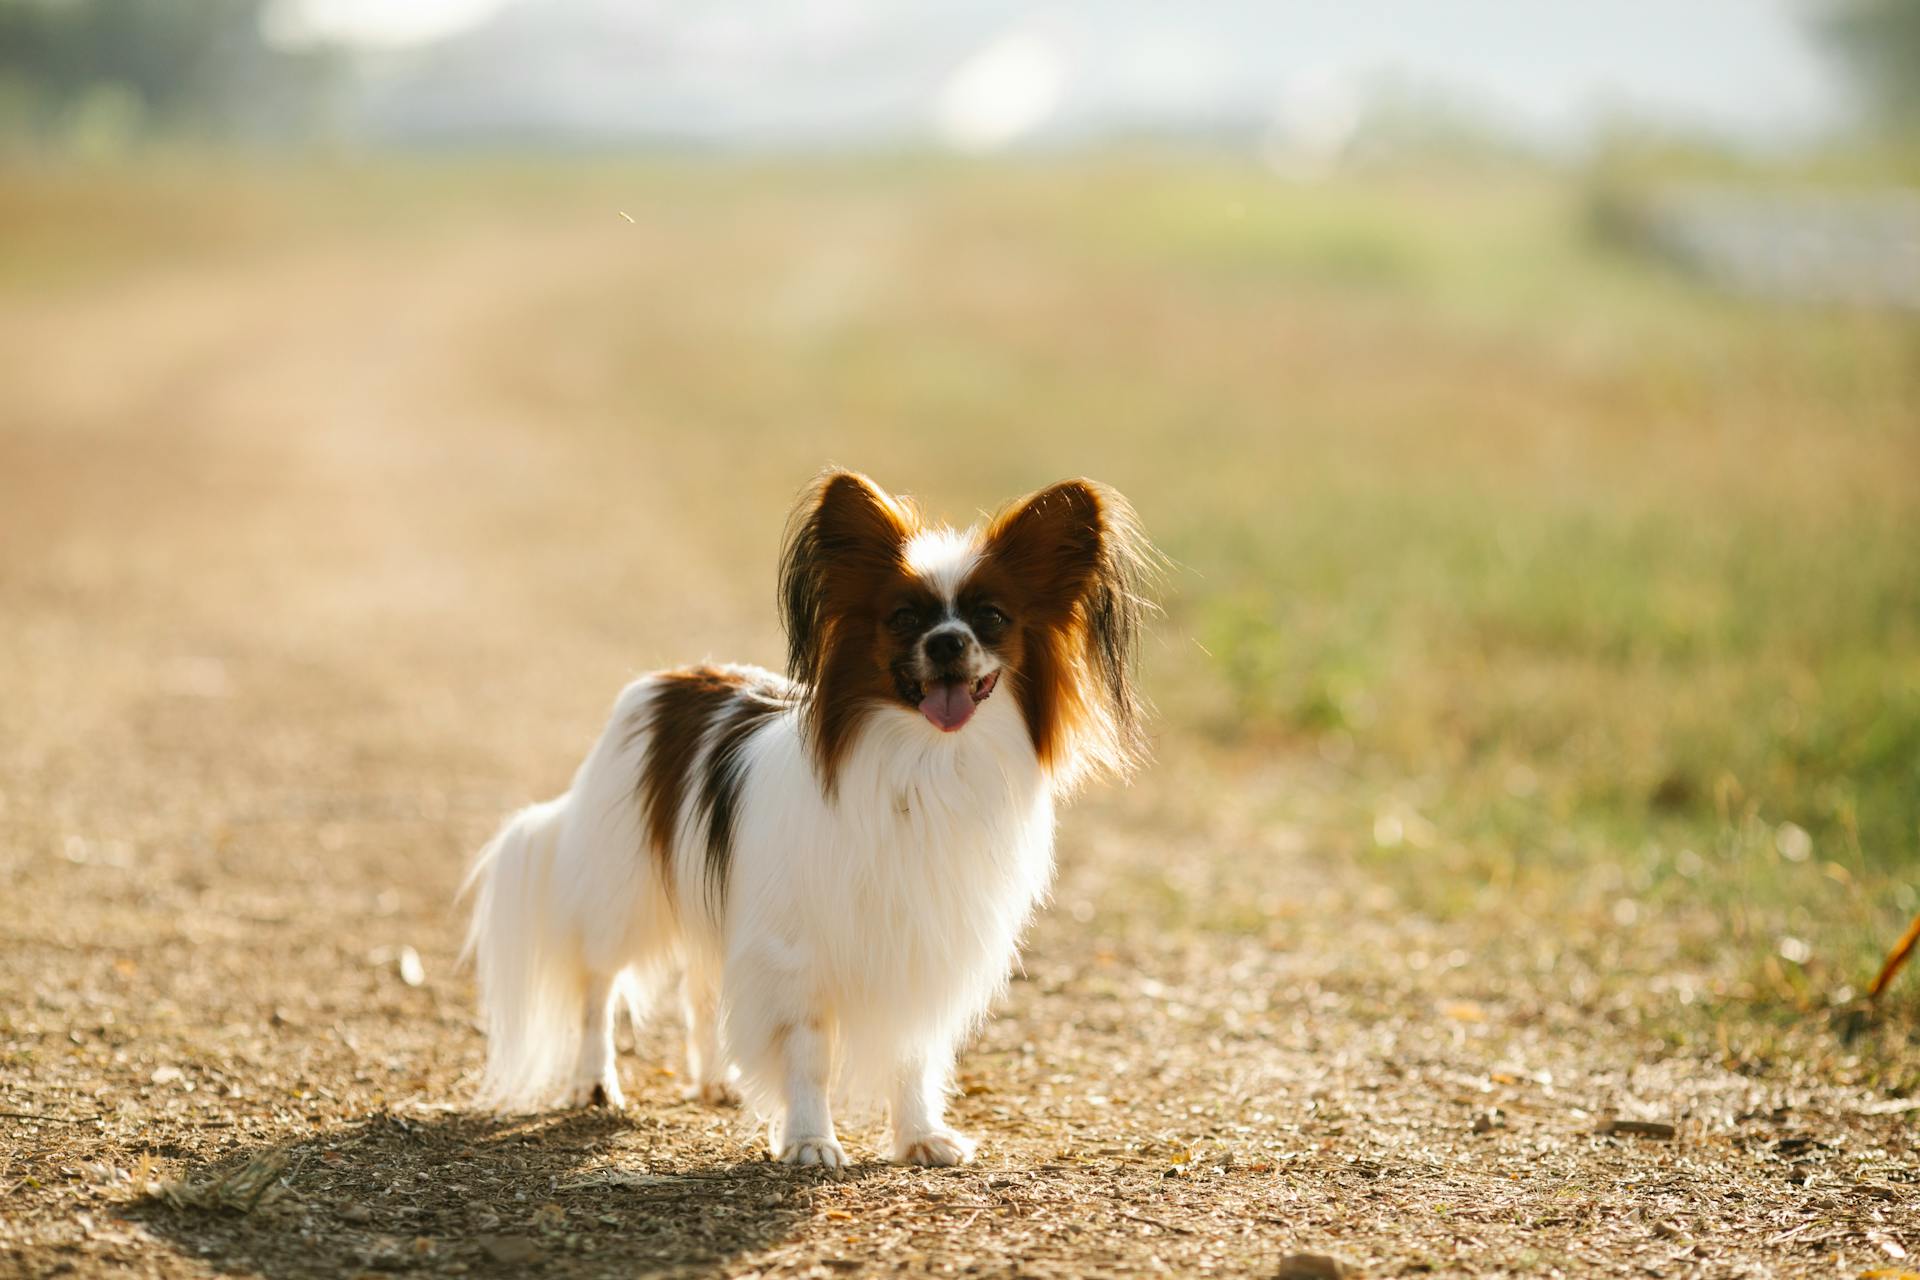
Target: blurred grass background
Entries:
(1519, 560)
(1541, 563)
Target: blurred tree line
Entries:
(1881, 39)
(93, 76)
(98, 76)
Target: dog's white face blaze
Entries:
(840, 871)
(950, 664)
(943, 559)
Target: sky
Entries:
(982, 74)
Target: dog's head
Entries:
(885, 612)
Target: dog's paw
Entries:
(713, 1093)
(936, 1149)
(822, 1153)
(604, 1092)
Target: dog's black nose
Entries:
(945, 646)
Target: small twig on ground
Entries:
(1896, 958)
(28, 1115)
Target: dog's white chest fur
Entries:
(898, 902)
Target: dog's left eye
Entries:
(988, 618)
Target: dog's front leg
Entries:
(804, 1135)
(918, 1107)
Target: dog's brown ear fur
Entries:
(1076, 552)
(844, 541)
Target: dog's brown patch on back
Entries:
(752, 705)
(699, 718)
(675, 719)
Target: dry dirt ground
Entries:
(291, 610)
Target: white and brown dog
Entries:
(840, 861)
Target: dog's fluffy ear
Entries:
(1050, 543)
(1084, 565)
(844, 533)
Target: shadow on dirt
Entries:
(554, 1195)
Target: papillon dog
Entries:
(837, 862)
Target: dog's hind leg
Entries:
(709, 1075)
(596, 1078)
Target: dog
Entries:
(838, 862)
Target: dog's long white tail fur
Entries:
(532, 982)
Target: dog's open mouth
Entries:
(949, 704)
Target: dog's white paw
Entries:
(936, 1149)
(823, 1153)
(601, 1092)
(714, 1093)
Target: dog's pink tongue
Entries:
(947, 706)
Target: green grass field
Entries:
(1566, 566)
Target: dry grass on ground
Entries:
(1537, 698)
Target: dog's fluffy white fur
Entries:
(862, 902)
